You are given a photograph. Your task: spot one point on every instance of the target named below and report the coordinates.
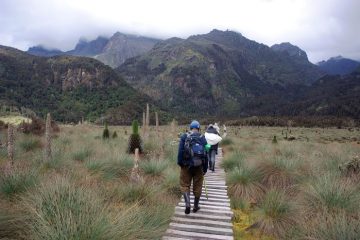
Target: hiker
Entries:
(193, 161)
(213, 138)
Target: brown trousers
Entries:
(196, 175)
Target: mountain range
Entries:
(338, 65)
(221, 74)
(71, 88)
(111, 51)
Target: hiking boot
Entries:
(187, 202)
(196, 204)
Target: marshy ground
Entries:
(279, 189)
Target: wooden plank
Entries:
(201, 229)
(200, 221)
(198, 235)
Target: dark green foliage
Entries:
(135, 139)
(274, 140)
(106, 132)
(102, 93)
(114, 135)
(134, 142)
(135, 127)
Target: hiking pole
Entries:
(206, 194)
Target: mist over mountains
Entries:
(218, 74)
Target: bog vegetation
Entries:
(297, 187)
(304, 185)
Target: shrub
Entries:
(30, 144)
(106, 133)
(114, 135)
(244, 183)
(37, 126)
(17, 182)
(276, 214)
(134, 140)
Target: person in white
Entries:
(213, 138)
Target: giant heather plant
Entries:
(135, 139)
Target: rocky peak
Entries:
(291, 50)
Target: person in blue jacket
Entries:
(192, 169)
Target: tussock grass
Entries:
(244, 183)
(17, 182)
(226, 142)
(131, 193)
(171, 181)
(82, 154)
(276, 214)
(153, 167)
(233, 160)
(30, 144)
(12, 225)
(60, 210)
(329, 193)
(279, 172)
(333, 227)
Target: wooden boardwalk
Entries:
(213, 220)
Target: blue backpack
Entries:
(194, 151)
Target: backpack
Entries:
(194, 151)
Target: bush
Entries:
(114, 135)
(37, 126)
(17, 182)
(106, 133)
(135, 139)
(30, 144)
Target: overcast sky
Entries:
(323, 28)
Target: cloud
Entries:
(323, 28)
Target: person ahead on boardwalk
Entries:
(193, 160)
(213, 138)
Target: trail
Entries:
(213, 220)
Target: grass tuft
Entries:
(276, 214)
(234, 160)
(17, 182)
(244, 183)
(30, 144)
(153, 167)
